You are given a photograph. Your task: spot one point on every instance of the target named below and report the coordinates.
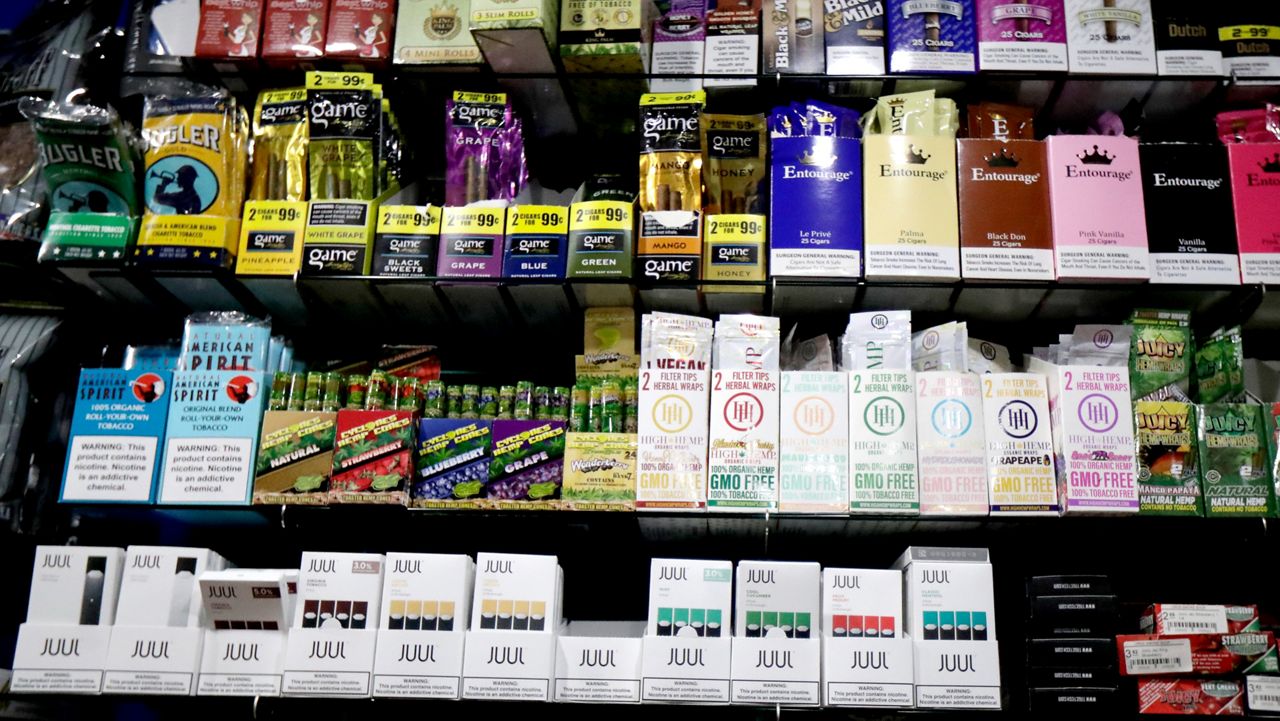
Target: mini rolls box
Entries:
(777, 599)
(861, 603)
(75, 585)
(517, 592)
(949, 594)
(339, 590)
(690, 598)
(159, 586)
(427, 592)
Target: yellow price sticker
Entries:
(410, 219)
(741, 227)
(537, 218)
(601, 215)
(481, 221)
(1248, 32)
(271, 237)
(331, 80)
(292, 95)
(697, 96)
(489, 98)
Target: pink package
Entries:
(1095, 193)
(1255, 193)
(1021, 35)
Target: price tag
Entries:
(537, 219)
(409, 219)
(271, 237)
(731, 228)
(1264, 693)
(1248, 32)
(601, 215)
(1157, 656)
(734, 251)
(329, 80)
(482, 221)
(486, 98)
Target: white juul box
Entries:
(331, 645)
(743, 453)
(1092, 437)
(777, 654)
(159, 587)
(957, 674)
(153, 661)
(874, 672)
(426, 605)
(509, 665)
(671, 458)
(242, 663)
(75, 585)
(686, 669)
(1015, 410)
(883, 467)
(776, 670)
(599, 662)
(949, 594)
(953, 454)
(861, 603)
(59, 658)
(813, 464)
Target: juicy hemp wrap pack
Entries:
(89, 164)
(1168, 476)
(1161, 351)
(1234, 461)
(671, 151)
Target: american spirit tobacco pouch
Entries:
(733, 163)
(342, 123)
(670, 152)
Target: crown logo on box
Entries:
(1096, 158)
(823, 159)
(1002, 159)
(916, 156)
(1272, 165)
(443, 23)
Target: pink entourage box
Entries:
(1095, 192)
(1255, 192)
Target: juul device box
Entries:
(1022, 35)
(910, 181)
(948, 594)
(1197, 247)
(1255, 190)
(1004, 209)
(1095, 193)
(1111, 36)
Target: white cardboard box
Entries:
(247, 598)
(418, 664)
(777, 599)
(883, 464)
(75, 585)
(509, 665)
(689, 598)
(742, 457)
(953, 453)
(686, 669)
(329, 662)
(427, 592)
(339, 590)
(776, 670)
(599, 662)
(153, 660)
(671, 460)
(957, 674)
(948, 593)
(517, 592)
(1020, 467)
(861, 603)
(242, 663)
(60, 658)
(158, 586)
(813, 462)
(871, 672)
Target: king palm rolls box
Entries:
(453, 462)
(373, 457)
(599, 472)
(1234, 461)
(435, 32)
(1168, 481)
(528, 464)
(606, 35)
(295, 458)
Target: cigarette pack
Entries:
(793, 37)
(1075, 699)
(339, 590)
(1204, 654)
(295, 458)
(1255, 187)
(1015, 413)
(948, 593)
(1092, 437)
(1187, 38)
(860, 603)
(931, 36)
(211, 437)
(814, 442)
(1071, 652)
(1250, 40)
(854, 36)
(427, 592)
(453, 462)
(1072, 585)
(1163, 619)
(601, 239)
(293, 30)
(742, 458)
(159, 588)
(606, 36)
(537, 242)
(229, 29)
(1095, 192)
(1234, 460)
(670, 246)
(883, 464)
(255, 599)
(516, 592)
(406, 240)
(373, 457)
(1191, 696)
(1022, 35)
(815, 197)
(75, 585)
(1197, 247)
(679, 41)
(777, 599)
(911, 183)
(1111, 36)
(690, 598)
(435, 32)
(527, 469)
(1057, 616)
(113, 453)
(671, 461)
(471, 243)
(953, 452)
(360, 31)
(1004, 209)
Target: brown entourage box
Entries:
(1004, 210)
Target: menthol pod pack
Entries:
(89, 164)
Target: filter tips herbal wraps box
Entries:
(516, 592)
(861, 603)
(948, 593)
(114, 453)
(211, 437)
(742, 457)
(671, 461)
(427, 592)
(1111, 36)
(1015, 412)
(883, 465)
(953, 453)
(75, 585)
(777, 599)
(690, 598)
(931, 36)
(339, 590)
(1021, 35)
(813, 472)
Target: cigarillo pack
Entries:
(733, 164)
(931, 36)
(1187, 38)
(294, 30)
(343, 120)
(1021, 35)
(280, 146)
(854, 36)
(361, 31)
(229, 29)
(671, 151)
(1111, 36)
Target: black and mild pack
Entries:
(344, 120)
(89, 164)
(280, 145)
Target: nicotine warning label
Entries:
(110, 468)
(200, 470)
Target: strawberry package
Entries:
(373, 457)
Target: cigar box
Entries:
(293, 31)
(1205, 654)
(360, 32)
(792, 34)
(679, 41)
(1027, 35)
(435, 32)
(1186, 247)
(1255, 193)
(471, 243)
(1249, 36)
(670, 245)
(815, 201)
(537, 242)
(1191, 696)
(406, 240)
(1095, 194)
(606, 36)
(601, 238)
(732, 42)
(1187, 38)
(910, 183)
(1110, 36)
(1005, 230)
(931, 36)
(854, 36)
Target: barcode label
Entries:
(1175, 619)
(1264, 693)
(1159, 656)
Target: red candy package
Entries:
(229, 29)
(361, 30)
